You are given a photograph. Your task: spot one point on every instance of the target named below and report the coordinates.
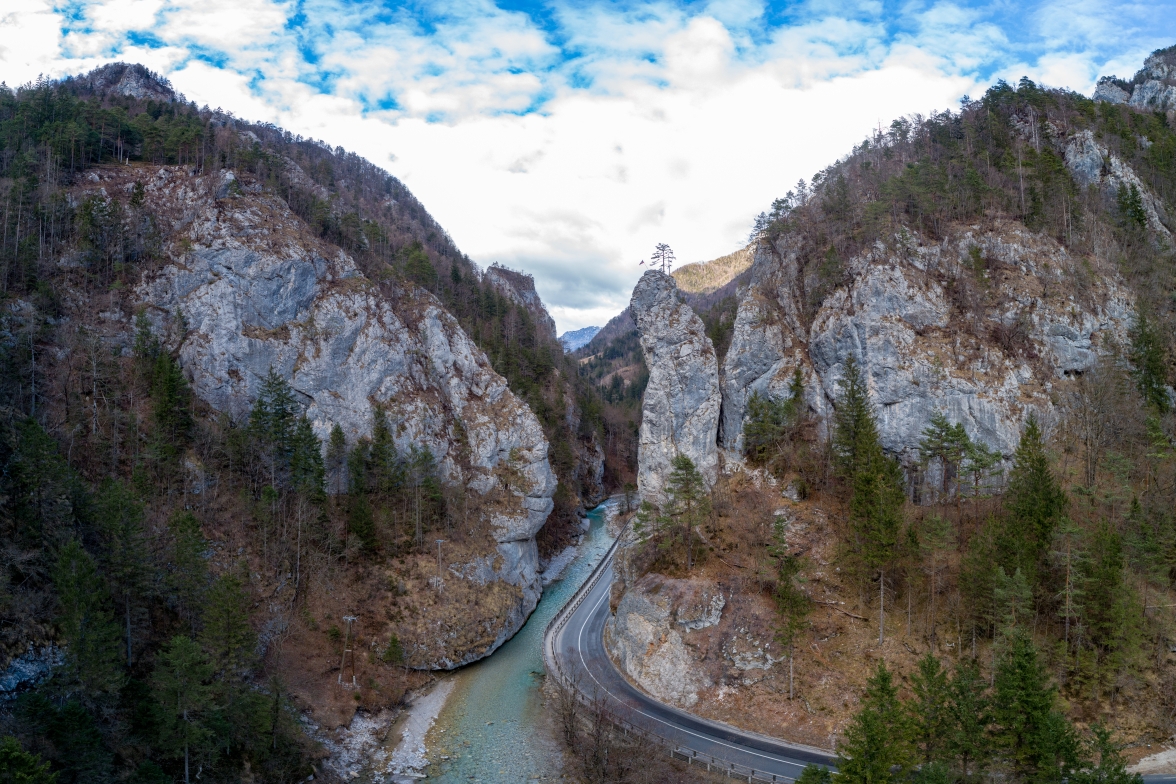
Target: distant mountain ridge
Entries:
(578, 338)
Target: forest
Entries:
(1047, 579)
(120, 488)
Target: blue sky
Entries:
(568, 138)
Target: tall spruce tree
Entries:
(1036, 740)
(1034, 504)
(87, 624)
(1149, 364)
(183, 694)
(969, 743)
(187, 572)
(876, 502)
(687, 507)
(930, 710)
(126, 558)
(878, 746)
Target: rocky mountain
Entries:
(252, 294)
(1006, 264)
(359, 436)
(1153, 88)
(577, 338)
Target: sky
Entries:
(567, 138)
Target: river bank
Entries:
(494, 727)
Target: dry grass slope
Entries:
(704, 277)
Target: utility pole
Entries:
(350, 619)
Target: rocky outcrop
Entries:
(988, 364)
(1152, 89)
(680, 412)
(1093, 165)
(648, 635)
(246, 291)
(519, 288)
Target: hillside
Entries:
(932, 453)
(247, 383)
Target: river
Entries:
(493, 728)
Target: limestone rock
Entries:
(680, 413)
(919, 353)
(646, 636)
(1093, 165)
(519, 288)
(246, 290)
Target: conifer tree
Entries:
(1109, 765)
(18, 766)
(271, 425)
(878, 746)
(876, 503)
(1037, 741)
(183, 695)
(930, 710)
(336, 463)
(792, 604)
(187, 574)
(947, 443)
(1105, 593)
(126, 558)
(226, 635)
(854, 426)
(307, 473)
(688, 506)
(1149, 364)
(1034, 504)
(969, 712)
(87, 624)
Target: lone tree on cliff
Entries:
(663, 255)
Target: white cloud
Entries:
(571, 153)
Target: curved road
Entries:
(578, 649)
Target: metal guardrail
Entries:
(676, 750)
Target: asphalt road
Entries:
(579, 647)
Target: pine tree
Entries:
(227, 636)
(688, 505)
(18, 766)
(853, 420)
(87, 624)
(876, 503)
(1149, 364)
(307, 473)
(815, 774)
(187, 574)
(336, 464)
(878, 746)
(793, 605)
(126, 559)
(1105, 592)
(1111, 765)
(947, 443)
(1037, 741)
(930, 710)
(183, 695)
(1034, 504)
(271, 427)
(969, 717)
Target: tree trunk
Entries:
(882, 607)
(127, 600)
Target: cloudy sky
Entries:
(566, 138)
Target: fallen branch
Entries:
(838, 609)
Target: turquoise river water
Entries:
(492, 728)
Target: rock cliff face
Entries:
(649, 636)
(246, 290)
(1153, 88)
(987, 366)
(519, 288)
(1093, 165)
(680, 413)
